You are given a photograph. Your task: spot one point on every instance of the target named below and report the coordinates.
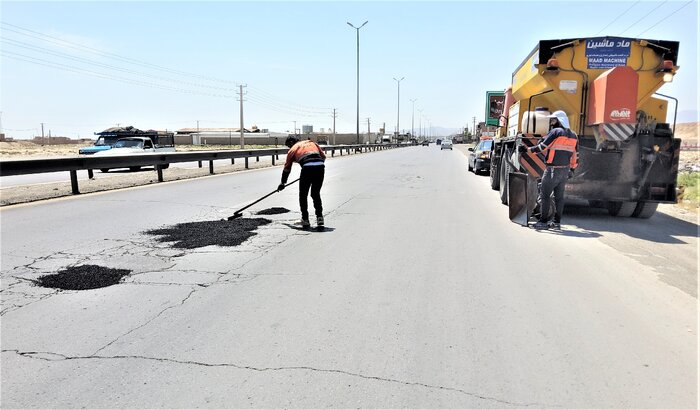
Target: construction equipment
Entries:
(238, 213)
(628, 157)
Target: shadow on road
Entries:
(659, 228)
(312, 230)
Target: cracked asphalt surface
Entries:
(407, 300)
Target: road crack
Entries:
(53, 357)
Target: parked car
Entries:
(446, 144)
(425, 143)
(480, 156)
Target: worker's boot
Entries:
(305, 223)
(319, 221)
(555, 225)
(541, 225)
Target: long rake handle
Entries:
(275, 191)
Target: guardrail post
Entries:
(211, 166)
(332, 153)
(257, 159)
(246, 162)
(74, 181)
(159, 170)
(90, 174)
(233, 161)
(278, 156)
(199, 163)
(273, 160)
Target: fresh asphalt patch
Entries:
(273, 211)
(83, 277)
(191, 235)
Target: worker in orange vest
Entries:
(560, 147)
(311, 158)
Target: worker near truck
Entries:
(560, 147)
(311, 158)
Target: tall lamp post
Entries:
(398, 104)
(357, 29)
(420, 122)
(413, 111)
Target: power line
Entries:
(644, 16)
(659, 22)
(262, 99)
(618, 17)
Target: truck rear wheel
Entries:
(494, 177)
(645, 210)
(622, 209)
(504, 178)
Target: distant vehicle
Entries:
(134, 146)
(386, 139)
(103, 143)
(480, 156)
(425, 143)
(438, 141)
(322, 142)
(446, 144)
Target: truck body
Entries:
(140, 142)
(628, 156)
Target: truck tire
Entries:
(622, 209)
(645, 210)
(504, 178)
(104, 170)
(470, 168)
(494, 176)
(134, 169)
(166, 166)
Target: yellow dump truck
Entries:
(628, 156)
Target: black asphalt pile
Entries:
(83, 277)
(273, 211)
(192, 235)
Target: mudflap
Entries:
(522, 197)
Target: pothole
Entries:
(273, 211)
(83, 277)
(191, 235)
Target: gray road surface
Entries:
(420, 293)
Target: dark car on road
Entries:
(480, 156)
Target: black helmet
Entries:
(290, 141)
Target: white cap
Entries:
(562, 117)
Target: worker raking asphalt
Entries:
(190, 235)
(83, 277)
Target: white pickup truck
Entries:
(133, 146)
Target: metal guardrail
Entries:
(158, 159)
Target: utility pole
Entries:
(49, 137)
(334, 116)
(413, 111)
(240, 87)
(42, 133)
(369, 134)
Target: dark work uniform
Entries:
(560, 147)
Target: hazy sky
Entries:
(80, 67)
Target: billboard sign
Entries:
(495, 101)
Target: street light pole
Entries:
(398, 104)
(420, 122)
(357, 29)
(413, 112)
